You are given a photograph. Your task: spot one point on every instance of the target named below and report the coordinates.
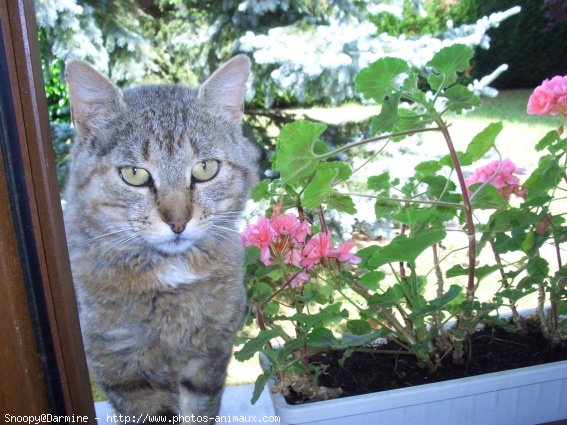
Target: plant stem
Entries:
(404, 200)
(375, 139)
(463, 323)
(440, 284)
(262, 324)
(403, 275)
(467, 208)
(390, 318)
(374, 155)
(558, 253)
(300, 213)
(322, 221)
(541, 311)
(515, 316)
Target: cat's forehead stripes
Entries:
(146, 150)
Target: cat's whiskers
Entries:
(108, 234)
(229, 229)
(120, 242)
(213, 232)
(214, 237)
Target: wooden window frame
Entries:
(42, 361)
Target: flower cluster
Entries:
(550, 98)
(501, 175)
(285, 239)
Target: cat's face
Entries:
(159, 167)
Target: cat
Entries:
(158, 179)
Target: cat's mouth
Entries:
(173, 243)
(177, 244)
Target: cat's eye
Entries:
(205, 170)
(135, 176)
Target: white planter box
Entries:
(525, 396)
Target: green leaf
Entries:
(488, 198)
(379, 183)
(359, 327)
(545, 177)
(483, 271)
(377, 80)
(342, 203)
(450, 60)
(435, 81)
(410, 120)
(403, 248)
(438, 303)
(321, 337)
(512, 218)
(319, 189)
(459, 98)
(295, 154)
(514, 294)
(260, 384)
(342, 169)
(484, 141)
(261, 291)
(417, 218)
(254, 345)
(252, 255)
(371, 280)
(504, 243)
(385, 210)
(548, 140)
(528, 242)
(456, 270)
(465, 158)
(428, 167)
(437, 186)
(272, 308)
(538, 268)
(325, 316)
(390, 297)
(365, 254)
(261, 191)
(387, 120)
(350, 340)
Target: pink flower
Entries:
(301, 231)
(289, 225)
(261, 235)
(317, 248)
(550, 98)
(293, 256)
(540, 102)
(299, 278)
(343, 254)
(501, 175)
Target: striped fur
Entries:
(158, 309)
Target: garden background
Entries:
(305, 56)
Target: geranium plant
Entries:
(309, 294)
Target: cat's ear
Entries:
(93, 96)
(226, 87)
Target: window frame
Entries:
(35, 270)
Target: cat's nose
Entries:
(177, 226)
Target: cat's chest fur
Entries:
(176, 272)
(173, 303)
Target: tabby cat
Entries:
(159, 177)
